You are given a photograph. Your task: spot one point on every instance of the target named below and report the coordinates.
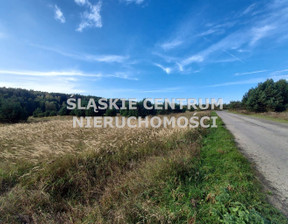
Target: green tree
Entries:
(111, 113)
(12, 111)
(267, 96)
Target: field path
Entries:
(265, 143)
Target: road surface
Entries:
(265, 143)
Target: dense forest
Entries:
(18, 104)
(267, 96)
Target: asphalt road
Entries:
(265, 143)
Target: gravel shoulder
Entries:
(265, 143)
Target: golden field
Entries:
(50, 169)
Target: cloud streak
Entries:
(259, 33)
(167, 70)
(249, 73)
(70, 73)
(49, 73)
(59, 14)
(252, 30)
(138, 2)
(249, 9)
(80, 2)
(86, 57)
(242, 82)
(194, 58)
(276, 75)
(171, 45)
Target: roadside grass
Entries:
(189, 176)
(230, 193)
(214, 184)
(271, 118)
(281, 117)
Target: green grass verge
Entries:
(224, 189)
(262, 116)
(269, 118)
(229, 192)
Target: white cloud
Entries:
(59, 14)
(106, 58)
(260, 33)
(249, 9)
(92, 17)
(276, 75)
(242, 82)
(178, 64)
(70, 74)
(48, 74)
(251, 81)
(165, 69)
(208, 32)
(166, 57)
(249, 73)
(138, 2)
(271, 22)
(124, 75)
(171, 45)
(86, 57)
(194, 58)
(81, 2)
(180, 67)
(230, 42)
(279, 72)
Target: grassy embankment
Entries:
(152, 176)
(281, 117)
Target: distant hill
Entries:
(18, 104)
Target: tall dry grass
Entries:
(43, 141)
(50, 171)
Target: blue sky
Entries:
(143, 48)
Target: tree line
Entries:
(267, 96)
(18, 104)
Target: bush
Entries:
(53, 113)
(111, 113)
(38, 112)
(12, 111)
(235, 105)
(63, 111)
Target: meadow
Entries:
(53, 173)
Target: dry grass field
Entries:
(40, 141)
(49, 160)
(52, 173)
